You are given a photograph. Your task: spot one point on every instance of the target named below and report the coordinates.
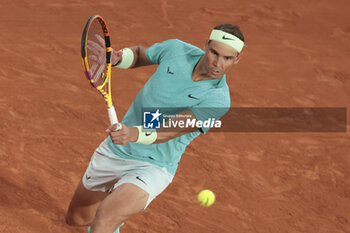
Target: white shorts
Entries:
(106, 172)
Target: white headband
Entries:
(228, 39)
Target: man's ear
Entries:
(238, 58)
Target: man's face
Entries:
(219, 58)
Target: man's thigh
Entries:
(126, 200)
(83, 206)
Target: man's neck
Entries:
(200, 73)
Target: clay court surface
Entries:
(52, 120)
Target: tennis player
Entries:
(133, 166)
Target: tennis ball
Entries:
(206, 197)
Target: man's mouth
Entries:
(214, 72)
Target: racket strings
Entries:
(96, 53)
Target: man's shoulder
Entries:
(171, 49)
(223, 96)
(217, 97)
(181, 46)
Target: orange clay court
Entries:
(52, 120)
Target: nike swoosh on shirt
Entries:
(190, 96)
(169, 72)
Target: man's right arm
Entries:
(140, 58)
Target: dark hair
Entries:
(232, 29)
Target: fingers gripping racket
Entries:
(96, 53)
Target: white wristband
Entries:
(127, 59)
(146, 136)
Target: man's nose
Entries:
(216, 62)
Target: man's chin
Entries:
(215, 75)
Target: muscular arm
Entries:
(140, 58)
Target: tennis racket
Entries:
(96, 53)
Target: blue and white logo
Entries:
(151, 120)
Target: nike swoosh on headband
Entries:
(227, 38)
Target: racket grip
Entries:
(113, 119)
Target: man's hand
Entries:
(97, 49)
(124, 135)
